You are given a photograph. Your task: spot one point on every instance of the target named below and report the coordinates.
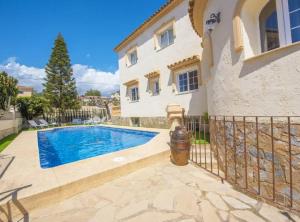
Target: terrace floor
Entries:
(133, 185)
(162, 192)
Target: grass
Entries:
(200, 139)
(6, 141)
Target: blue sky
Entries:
(91, 28)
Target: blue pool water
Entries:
(66, 145)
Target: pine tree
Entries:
(60, 85)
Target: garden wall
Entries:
(260, 155)
(10, 123)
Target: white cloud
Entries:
(86, 77)
(29, 76)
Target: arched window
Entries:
(269, 32)
(264, 25)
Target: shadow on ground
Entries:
(5, 162)
(13, 208)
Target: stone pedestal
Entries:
(175, 115)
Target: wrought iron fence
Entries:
(257, 154)
(69, 115)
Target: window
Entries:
(134, 94)
(132, 57)
(155, 87)
(294, 16)
(188, 81)
(166, 38)
(279, 23)
(269, 27)
(193, 80)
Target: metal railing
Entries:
(259, 155)
(69, 115)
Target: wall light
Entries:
(214, 19)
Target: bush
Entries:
(32, 107)
(8, 90)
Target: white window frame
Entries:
(284, 24)
(164, 28)
(135, 98)
(129, 56)
(155, 87)
(187, 72)
(167, 33)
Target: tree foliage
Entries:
(60, 85)
(32, 107)
(93, 92)
(8, 90)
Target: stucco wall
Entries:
(186, 45)
(8, 127)
(265, 85)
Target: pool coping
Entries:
(36, 186)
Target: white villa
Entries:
(159, 64)
(240, 59)
(250, 58)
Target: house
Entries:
(250, 67)
(159, 65)
(90, 100)
(250, 55)
(24, 91)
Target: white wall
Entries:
(265, 85)
(8, 127)
(186, 44)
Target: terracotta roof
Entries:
(131, 82)
(152, 75)
(25, 88)
(163, 10)
(185, 62)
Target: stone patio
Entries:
(161, 192)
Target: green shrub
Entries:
(32, 107)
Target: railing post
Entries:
(199, 123)
(290, 161)
(217, 147)
(245, 153)
(257, 156)
(205, 143)
(234, 148)
(273, 157)
(225, 147)
(211, 159)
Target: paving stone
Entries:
(244, 198)
(185, 202)
(223, 215)
(209, 213)
(102, 203)
(188, 220)
(217, 201)
(154, 216)
(247, 215)
(164, 200)
(233, 219)
(106, 214)
(270, 212)
(234, 203)
(127, 199)
(132, 209)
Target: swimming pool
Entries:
(65, 145)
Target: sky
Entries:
(91, 28)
